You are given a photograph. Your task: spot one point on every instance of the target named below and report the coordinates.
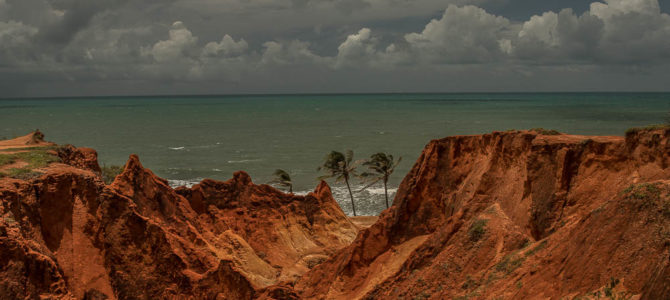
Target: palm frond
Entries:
(350, 156)
(370, 184)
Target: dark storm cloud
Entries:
(56, 47)
(77, 15)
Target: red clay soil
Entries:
(33, 139)
(507, 215)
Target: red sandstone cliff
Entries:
(507, 215)
(65, 234)
(516, 215)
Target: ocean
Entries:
(187, 138)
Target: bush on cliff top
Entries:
(634, 130)
(543, 131)
(108, 173)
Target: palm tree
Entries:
(381, 166)
(340, 167)
(282, 178)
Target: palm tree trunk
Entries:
(290, 189)
(386, 194)
(353, 206)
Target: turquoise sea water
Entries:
(187, 138)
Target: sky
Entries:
(166, 47)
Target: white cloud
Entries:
(465, 34)
(356, 49)
(615, 32)
(554, 37)
(181, 41)
(542, 28)
(293, 52)
(618, 7)
(227, 47)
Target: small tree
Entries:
(381, 166)
(340, 167)
(282, 178)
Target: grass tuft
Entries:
(35, 159)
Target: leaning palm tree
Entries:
(340, 167)
(282, 178)
(381, 166)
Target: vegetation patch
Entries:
(643, 191)
(635, 130)
(35, 159)
(477, 229)
(22, 173)
(509, 263)
(470, 283)
(108, 173)
(543, 131)
(537, 248)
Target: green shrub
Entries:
(643, 191)
(108, 173)
(477, 229)
(543, 131)
(634, 130)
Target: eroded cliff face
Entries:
(65, 234)
(516, 215)
(507, 215)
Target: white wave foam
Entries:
(177, 148)
(174, 183)
(379, 191)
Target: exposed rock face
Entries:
(516, 215)
(67, 235)
(513, 215)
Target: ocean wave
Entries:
(369, 202)
(243, 161)
(177, 148)
(175, 183)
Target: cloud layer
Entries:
(48, 47)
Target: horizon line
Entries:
(321, 94)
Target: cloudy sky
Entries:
(158, 47)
